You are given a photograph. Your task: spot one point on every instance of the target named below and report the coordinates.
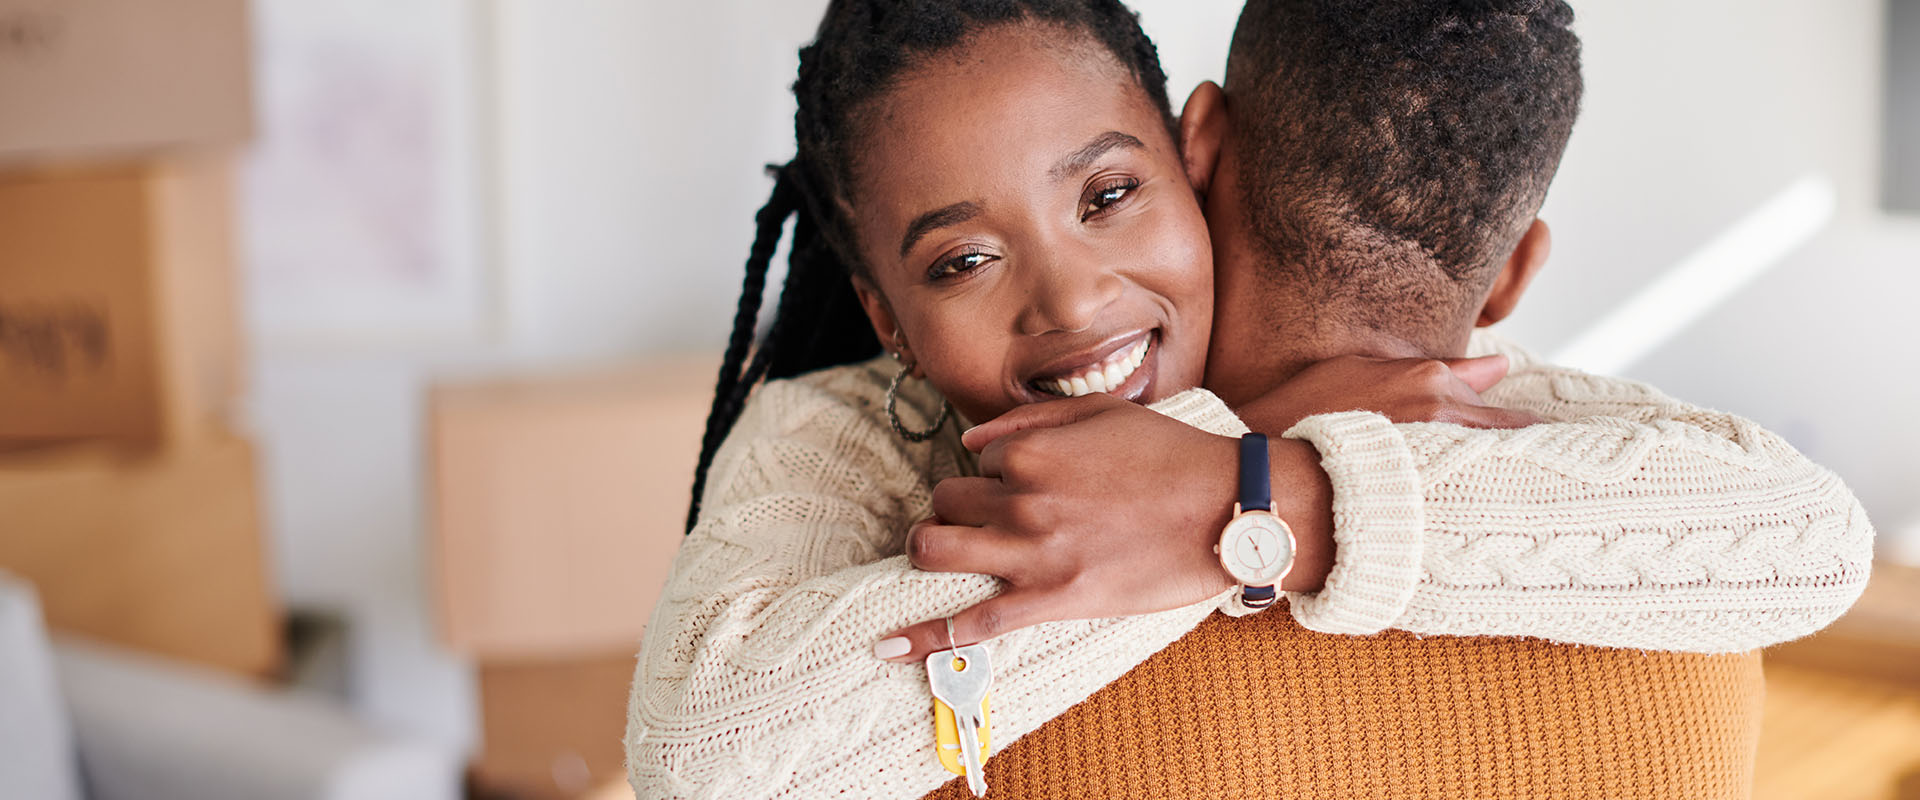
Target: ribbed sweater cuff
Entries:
(1378, 517)
(1201, 409)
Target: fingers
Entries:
(1010, 611)
(968, 501)
(1495, 417)
(935, 547)
(1480, 373)
(1490, 417)
(1050, 414)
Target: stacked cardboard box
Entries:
(118, 318)
(125, 495)
(559, 503)
(158, 550)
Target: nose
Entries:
(1068, 293)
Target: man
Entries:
(1375, 171)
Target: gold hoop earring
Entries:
(893, 415)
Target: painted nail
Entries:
(892, 647)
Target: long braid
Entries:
(819, 303)
(860, 50)
(729, 394)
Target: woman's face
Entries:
(1029, 229)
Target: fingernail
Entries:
(892, 647)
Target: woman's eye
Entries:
(1106, 197)
(958, 265)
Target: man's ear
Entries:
(1525, 262)
(1203, 130)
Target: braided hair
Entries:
(860, 51)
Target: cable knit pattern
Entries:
(1638, 522)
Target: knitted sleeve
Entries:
(1631, 520)
(756, 676)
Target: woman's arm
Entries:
(1630, 520)
(1633, 519)
(757, 678)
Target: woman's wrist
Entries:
(1303, 496)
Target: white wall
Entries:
(1696, 113)
(628, 146)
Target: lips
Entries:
(1106, 373)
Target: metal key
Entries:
(964, 689)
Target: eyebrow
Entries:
(1092, 151)
(935, 220)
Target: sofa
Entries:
(84, 720)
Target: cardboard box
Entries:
(158, 551)
(553, 729)
(118, 309)
(82, 78)
(559, 503)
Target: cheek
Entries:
(962, 355)
(1182, 273)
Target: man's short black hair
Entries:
(1392, 152)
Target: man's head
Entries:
(1387, 157)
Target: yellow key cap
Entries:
(948, 735)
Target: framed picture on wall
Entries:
(365, 193)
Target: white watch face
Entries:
(1256, 548)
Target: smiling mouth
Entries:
(1106, 376)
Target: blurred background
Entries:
(353, 356)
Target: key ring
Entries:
(953, 645)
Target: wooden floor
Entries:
(1833, 737)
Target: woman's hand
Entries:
(1087, 507)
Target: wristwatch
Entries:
(1256, 547)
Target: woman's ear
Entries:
(1203, 129)
(1522, 265)
(885, 327)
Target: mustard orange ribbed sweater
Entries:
(1261, 707)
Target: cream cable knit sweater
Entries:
(1632, 521)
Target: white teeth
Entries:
(1106, 377)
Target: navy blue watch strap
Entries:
(1256, 482)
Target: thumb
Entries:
(1050, 414)
(1479, 373)
(1008, 611)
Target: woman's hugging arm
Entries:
(1627, 519)
(757, 677)
(1630, 519)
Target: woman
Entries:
(992, 193)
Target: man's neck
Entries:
(1260, 339)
